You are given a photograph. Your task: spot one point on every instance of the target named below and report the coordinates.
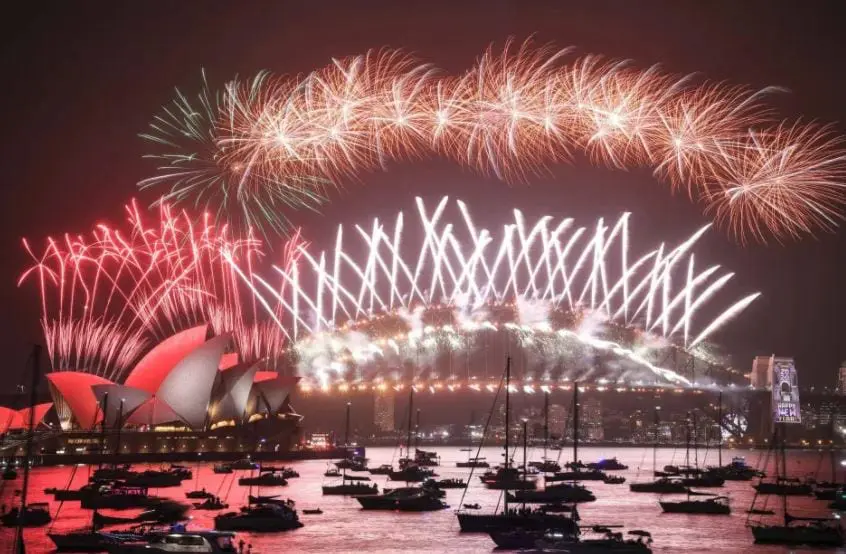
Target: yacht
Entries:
(352, 485)
(663, 485)
(35, 514)
(718, 505)
(211, 503)
(564, 492)
(507, 478)
(605, 541)
(260, 517)
(244, 463)
(403, 498)
(118, 498)
(155, 479)
(112, 473)
(411, 474)
(611, 464)
(384, 469)
(473, 462)
(222, 469)
(447, 483)
(264, 479)
(783, 486)
(214, 542)
(546, 466)
(577, 475)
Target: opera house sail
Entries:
(190, 394)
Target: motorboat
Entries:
(261, 517)
(9, 474)
(781, 486)
(513, 519)
(391, 499)
(602, 540)
(34, 515)
(384, 469)
(352, 485)
(509, 478)
(118, 498)
(244, 464)
(705, 479)
(718, 505)
(446, 483)
(565, 492)
(473, 462)
(112, 473)
(222, 469)
(662, 486)
(155, 479)
(211, 503)
(411, 474)
(200, 494)
(577, 475)
(614, 480)
(610, 464)
(355, 463)
(546, 466)
(273, 499)
(268, 479)
(332, 472)
(214, 542)
(818, 533)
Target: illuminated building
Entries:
(557, 420)
(841, 380)
(591, 417)
(383, 412)
(762, 374)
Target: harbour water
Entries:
(344, 527)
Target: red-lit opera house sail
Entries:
(234, 386)
(155, 367)
(74, 398)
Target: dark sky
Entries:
(82, 79)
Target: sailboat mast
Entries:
(655, 442)
(347, 426)
(687, 442)
(118, 425)
(36, 367)
(782, 439)
(545, 423)
(417, 430)
(105, 409)
(575, 425)
(720, 429)
(695, 442)
(507, 422)
(525, 444)
(410, 411)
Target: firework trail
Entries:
(549, 284)
(108, 295)
(266, 145)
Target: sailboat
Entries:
(807, 530)
(546, 465)
(28, 515)
(471, 461)
(510, 519)
(410, 471)
(564, 492)
(663, 485)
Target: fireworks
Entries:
(270, 144)
(560, 290)
(107, 296)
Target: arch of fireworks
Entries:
(564, 297)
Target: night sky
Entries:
(82, 79)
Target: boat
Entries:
(546, 466)
(82, 541)
(473, 462)
(402, 498)
(351, 485)
(605, 540)
(760, 512)
(355, 463)
(784, 487)
(557, 508)
(112, 473)
(448, 483)
(428, 486)
(411, 474)
(384, 469)
(718, 505)
(90, 489)
(424, 458)
(260, 517)
(284, 471)
(614, 480)
(268, 479)
(510, 518)
(10, 474)
(313, 511)
(201, 494)
(211, 503)
(118, 498)
(274, 499)
(662, 486)
(155, 479)
(423, 501)
(565, 492)
(222, 469)
(507, 478)
(703, 480)
(610, 464)
(793, 530)
(34, 515)
(181, 542)
(736, 470)
(473, 506)
(243, 464)
(577, 475)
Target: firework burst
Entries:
(268, 145)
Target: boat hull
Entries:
(487, 523)
(815, 536)
(709, 508)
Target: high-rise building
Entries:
(557, 420)
(841, 381)
(762, 372)
(591, 426)
(383, 412)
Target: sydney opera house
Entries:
(189, 394)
